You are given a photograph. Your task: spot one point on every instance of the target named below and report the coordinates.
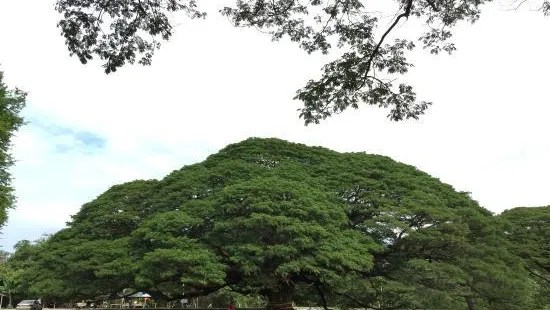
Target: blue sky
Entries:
(212, 85)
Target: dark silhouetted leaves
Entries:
(120, 32)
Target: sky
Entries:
(212, 85)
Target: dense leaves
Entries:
(528, 230)
(265, 217)
(12, 102)
(125, 31)
(130, 23)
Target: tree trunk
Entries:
(471, 303)
(280, 298)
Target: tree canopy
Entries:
(121, 32)
(528, 230)
(265, 217)
(12, 102)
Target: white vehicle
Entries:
(25, 304)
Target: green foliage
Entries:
(22, 267)
(226, 296)
(120, 32)
(528, 230)
(9, 277)
(270, 218)
(12, 102)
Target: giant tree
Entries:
(291, 223)
(12, 102)
(120, 32)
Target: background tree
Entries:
(287, 222)
(18, 271)
(27, 277)
(8, 277)
(12, 102)
(120, 32)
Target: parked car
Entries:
(25, 304)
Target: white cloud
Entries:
(212, 85)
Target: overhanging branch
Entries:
(405, 14)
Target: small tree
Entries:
(12, 102)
